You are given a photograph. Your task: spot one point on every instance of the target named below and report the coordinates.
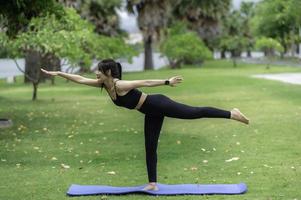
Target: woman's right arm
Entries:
(75, 78)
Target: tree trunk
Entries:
(223, 54)
(148, 54)
(299, 46)
(52, 63)
(33, 63)
(284, 47)
(83, 68)
(174, 64)
(293, 49)
(32, 66)
(249, 55)
(234, 62)
(35, 90)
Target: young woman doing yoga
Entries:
(155, 106)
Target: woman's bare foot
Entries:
(237, 115)
(151, 186)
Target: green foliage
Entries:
(278, 19)
(214, 9)
(268, 45)
(234, 43)
(101, 13)
(185, 48)
(68, 37)
(17, 14)
(202, 16)
(3, 45)
(177, 28)
(236, 36)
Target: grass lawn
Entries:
(79, 126)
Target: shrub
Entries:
(268, 46)
(185, 48)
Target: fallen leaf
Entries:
(265, 165)
(232, 159)
(193, 168)
(111, 173)
(65, 166)
(53, 158)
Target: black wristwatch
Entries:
(166, 82)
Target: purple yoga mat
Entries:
(180, 189)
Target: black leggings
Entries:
(155, 107)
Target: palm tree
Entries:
(152, 18)
(101, 13)
(247, 12)
(203, 16)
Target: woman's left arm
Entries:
(128, 85)
(75, 78)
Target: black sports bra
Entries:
(129, 100)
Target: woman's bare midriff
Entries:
(141, 101)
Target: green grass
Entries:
(78, 126)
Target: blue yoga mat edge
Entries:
(164, 189)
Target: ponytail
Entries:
(119, 70)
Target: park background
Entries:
(55, 133)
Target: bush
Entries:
(185, 48)
(269, 46)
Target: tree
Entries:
(278, 19)
(152, 18)
(247, 10)
(69, 37)
(236, 36)
(182, 46)
(234, 44)
(269, 46)
(101, 13)
(204, 17)
(16, 15)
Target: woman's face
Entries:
(100, 75)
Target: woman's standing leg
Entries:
(152, 128)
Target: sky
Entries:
(128, 21)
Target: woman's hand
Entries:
(174, 80)
(52, 73)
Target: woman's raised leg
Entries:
(165, 106)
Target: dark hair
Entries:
(110, 64)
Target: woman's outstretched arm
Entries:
(75, 78)
(128, 85)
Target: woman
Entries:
(155, 106)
